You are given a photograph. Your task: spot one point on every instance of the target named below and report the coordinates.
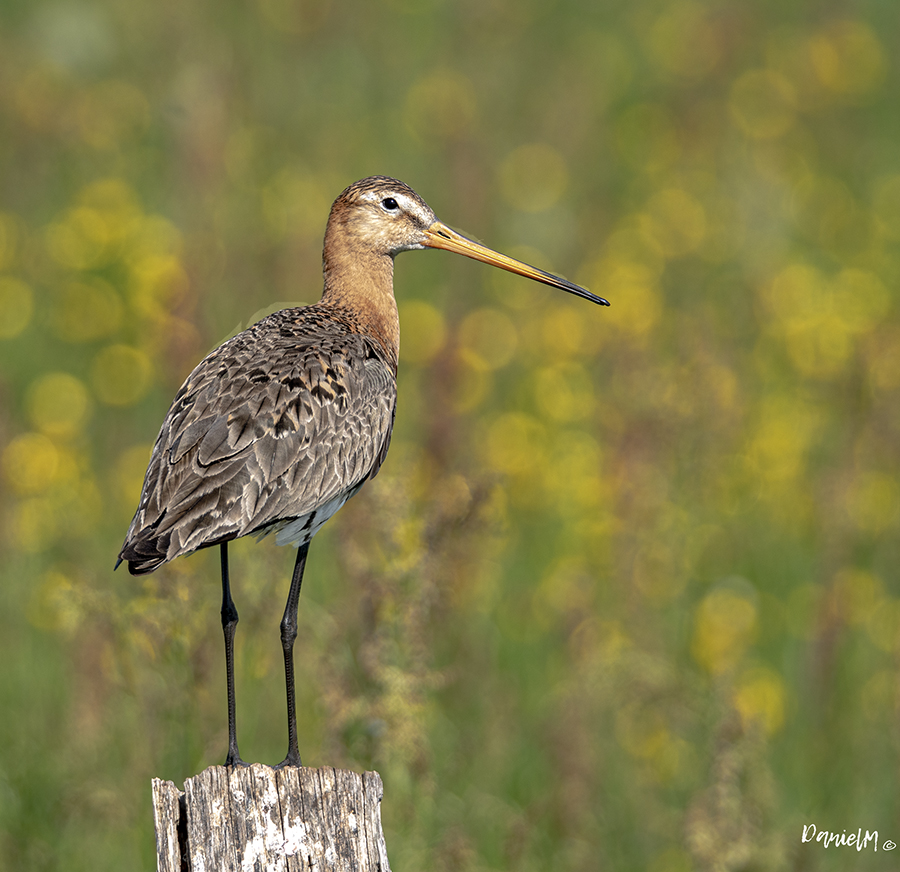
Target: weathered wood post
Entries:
(259, 818)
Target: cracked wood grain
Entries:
(259, 818)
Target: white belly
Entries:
(298, 531)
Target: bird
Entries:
(279, 426)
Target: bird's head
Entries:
(383, 216)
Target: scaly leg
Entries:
(288, 635)
(229, 625)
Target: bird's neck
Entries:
(363, 286)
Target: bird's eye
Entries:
(390, 204)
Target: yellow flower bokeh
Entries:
(725, 625)
(644, 552)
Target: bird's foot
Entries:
(233, 760)
(292, 759)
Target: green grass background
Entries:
(625, 595)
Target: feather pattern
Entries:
(274, 431)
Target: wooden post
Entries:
(259, 818)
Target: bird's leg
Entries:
(288, 635)
(229, 625)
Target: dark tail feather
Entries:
(143, 555)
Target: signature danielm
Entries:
(858, 840)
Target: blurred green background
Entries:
(625, 595)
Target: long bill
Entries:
(439, 235)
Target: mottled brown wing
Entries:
(278, 421)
